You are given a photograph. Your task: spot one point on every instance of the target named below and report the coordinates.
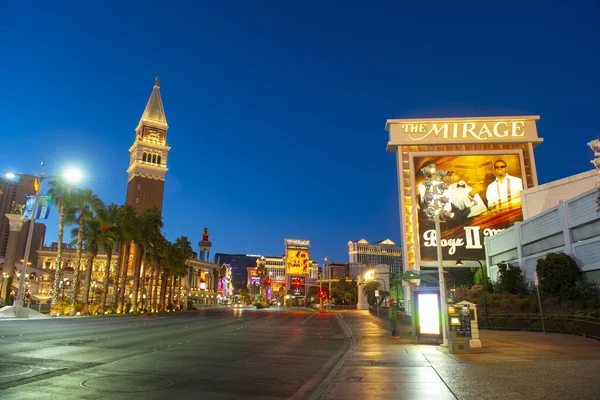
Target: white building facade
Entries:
(560, 216)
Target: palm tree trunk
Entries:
(117, 273)
(88, 278)
(155, 294)
(136, 276)
(125, 267)
(163, 290)
(106, 278)
(179, 303)
(61, 228)
(143, 271)
(172, 291)
(75, 285)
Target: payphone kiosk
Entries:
(459, 323)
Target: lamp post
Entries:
(93, 287)
(70, 175)
(459, 263)
(438, 205)
(329, 278)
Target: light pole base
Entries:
(18, 311)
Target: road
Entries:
(216, 353)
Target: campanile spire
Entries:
(148, 155)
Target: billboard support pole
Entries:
(443, 299)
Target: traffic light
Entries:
(268, 281)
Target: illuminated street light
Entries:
(71, 176)
(438, 210)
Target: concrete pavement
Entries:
(510, 365)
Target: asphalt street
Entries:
(217, 353)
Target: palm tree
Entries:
(107, 239)
(174, 266)
(184, 249)
(126, 230)
(91, 234)
(85, 204)
(62, 197)
(149, 224)
(154, 262)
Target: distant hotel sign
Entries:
(462, 130)
(297, 243)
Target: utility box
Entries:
(459, 346)
(459, 335)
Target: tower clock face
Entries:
(154, 135)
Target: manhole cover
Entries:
(127, 383)
(7, 370)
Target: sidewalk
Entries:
(510, 365)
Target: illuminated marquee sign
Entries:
(488, 129)
(297, 243)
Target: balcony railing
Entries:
(572, 324)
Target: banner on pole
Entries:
(29, 203)
(43, 210)
(44, 207)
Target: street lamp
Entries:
(93, 286)
(69, 175)
(438, 210)
(64, 283)
(459, 263)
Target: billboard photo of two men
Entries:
(484, 199)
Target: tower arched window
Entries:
(158, 159)
(144, 157)
(154, 158)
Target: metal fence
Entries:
(572, 324)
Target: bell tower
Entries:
(148, 156)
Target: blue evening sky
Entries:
(277, 108)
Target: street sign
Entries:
(377, 293)
(535, 278)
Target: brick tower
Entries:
(148, 160)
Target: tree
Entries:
(85, 204)
(368, 289)
(343, 292)
(62, 196)
(149, 224)
(510, 279)
(396, 288)
(90, 244)
(125, 232)
(558, 274)
(108, 217)
(459, 277)
(183, 248)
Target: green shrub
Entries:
(525, 305)
(558, 274)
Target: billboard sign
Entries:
(297, 261)
(484, 199)
(297, 243)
